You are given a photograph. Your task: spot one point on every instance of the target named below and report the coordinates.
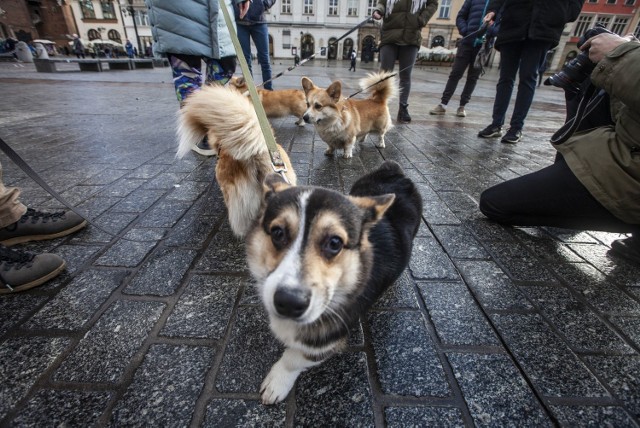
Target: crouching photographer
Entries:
(594, 183)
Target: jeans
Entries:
(406, 56)
(551, 197)
(464, 60)
(522, 58)
(260, 35)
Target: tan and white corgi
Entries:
(341, 122)
(321, 259)
(233, 130)
(279, 102)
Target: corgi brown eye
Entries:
(317, 106)
(278, 237)
(332, 246)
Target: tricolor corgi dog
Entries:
(229, 120)
(279, 102)
(321, 259)
(341, 122)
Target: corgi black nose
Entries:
(291, 303)
(306, 118)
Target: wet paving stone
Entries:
(162, 274)
(621, 375)
(593, 416)
(105, 351)
(16, 307)
(63, 408)
(423, 417)
(132, 250)
(428, 261)
(222, 413)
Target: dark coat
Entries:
(255, 14)
(541, 20)
(402, 25)
(606, 160)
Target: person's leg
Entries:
(220, 71)
(460, 63)
(388, 56)
(531, 51)
(244, 37)
(509, 62)
(187, 74)
(551, 197)
(406, 59)
(473, 74)
(260, 35)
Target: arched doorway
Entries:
(346, 48)
(368, 47)
(333, 49)
(307, 46)
(437, 41)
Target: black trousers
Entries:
(463, 61)
(552, 197)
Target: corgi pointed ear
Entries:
(307, 85)
(335, 91)
(373, 206)
(273, 183)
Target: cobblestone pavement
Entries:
(155, 321)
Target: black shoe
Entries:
(512, 136)
(20, 270)
(38, 226)
(403, 114)
(628, 248)
(491, 131)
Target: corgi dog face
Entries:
(340, 122)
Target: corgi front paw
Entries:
(300, 122)
(277, 384)
(328, 152)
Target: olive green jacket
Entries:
(607, 159)
(403, 19)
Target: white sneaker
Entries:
(438, 110)
(461, 112)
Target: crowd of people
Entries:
(594, 183)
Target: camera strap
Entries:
(588, 103)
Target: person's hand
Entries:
(376, 15)
(602, 44)
(488, 18)
(244, 8)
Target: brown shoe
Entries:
(39, 226)
(20, 270)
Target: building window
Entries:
(307, 9)
(352, 7)
(107, 10)
(582, 25)
(86, 7)
(93, 34)
(593, 1)
(619, 26)
(629, 2)
(371, 7)
(285, 6)
(286, 39)
(637, 32)
(141, 17)
(603, 21)
(445, 9)
(333, 7)
(611, 1)
(114, 35)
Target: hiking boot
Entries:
(20, 270)
(512, 136)
(204, 148)
(491, 131)
(438, 110)
(39, 226)
(460, 112)
(628, 248)
(403, 114)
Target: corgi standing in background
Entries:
(321, 259)
(341, 122)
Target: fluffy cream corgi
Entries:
(229, 120)
(341, 122)
(321, 259)
(279, 102)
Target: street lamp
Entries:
(135, 26)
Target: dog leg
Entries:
(329, 151)
(361, 139)
(283, 375)
(300, 122)
(348, 149)
(381, 142)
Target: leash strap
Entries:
(589, 102)
(278, 164)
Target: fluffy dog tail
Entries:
(226, 117)
(381, 86)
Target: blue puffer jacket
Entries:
(470, 17)
(190, 27)
(255, 15)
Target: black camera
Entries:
(576, 71)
